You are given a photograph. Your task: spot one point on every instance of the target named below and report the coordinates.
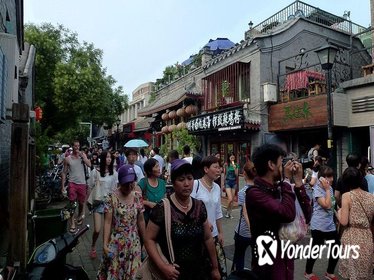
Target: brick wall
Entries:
(5, 138)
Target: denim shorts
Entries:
(230, 184)
(99, 208)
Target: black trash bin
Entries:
(48, 224)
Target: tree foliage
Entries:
(181, 138)
(71, 84)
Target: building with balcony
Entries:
(270, 87)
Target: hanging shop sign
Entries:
(305, 113)
(224, 120)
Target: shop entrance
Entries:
(240, 150)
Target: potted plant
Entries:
(225, 89)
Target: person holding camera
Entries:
(76, 165)
(267, 211)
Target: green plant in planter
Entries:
(225, 88)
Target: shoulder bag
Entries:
(148, 270)
(97, 193)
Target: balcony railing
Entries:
(301, 9)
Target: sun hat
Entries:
(178, 163)
(178, 167)
(126, 174)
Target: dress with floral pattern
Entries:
(358, 233)
(124, 246)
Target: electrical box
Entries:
(270, 92)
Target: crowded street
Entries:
(186, 140)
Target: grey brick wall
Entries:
(5, 144)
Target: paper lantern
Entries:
(38, 114)
(181, 125)
(191, 109)
(172, 115)
(165, 116)
(181, 113)
(172, 127)
(165, 129)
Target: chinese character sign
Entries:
(224, 120)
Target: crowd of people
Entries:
(276, 184)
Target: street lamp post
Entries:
(326, 55)
(118, 122)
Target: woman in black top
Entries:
(190, 231)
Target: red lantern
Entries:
(38, 113)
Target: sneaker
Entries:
(311, 276)
(227, 216)
(93, 254)
(231, 217)
(330, 276)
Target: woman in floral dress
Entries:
(123, 227)
(357, 214)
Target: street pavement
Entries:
(80, 256)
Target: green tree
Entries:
(71, 83)
(184, 138)
(180, 138)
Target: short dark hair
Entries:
(353, 160)
(156, 150)
(129, 151)
(148, 166)
(196, 167)
(364, 164)
(263, 154)
(208, 161)
(326, 171)
(352, 178)
(185, 169)
(173, 154)
(186, 149)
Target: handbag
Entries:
(96, 194)
(297, 229)
(148, 270)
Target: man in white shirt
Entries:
(187, 154)
(159, 159)
(132, 155)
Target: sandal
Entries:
(93, 254)
(311, 276)
(73, 230)
(329, 276)
(80, 220)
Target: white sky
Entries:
(141, 37)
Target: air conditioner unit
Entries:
(9, 47)
(270, 92)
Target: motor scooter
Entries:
(48, 260)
